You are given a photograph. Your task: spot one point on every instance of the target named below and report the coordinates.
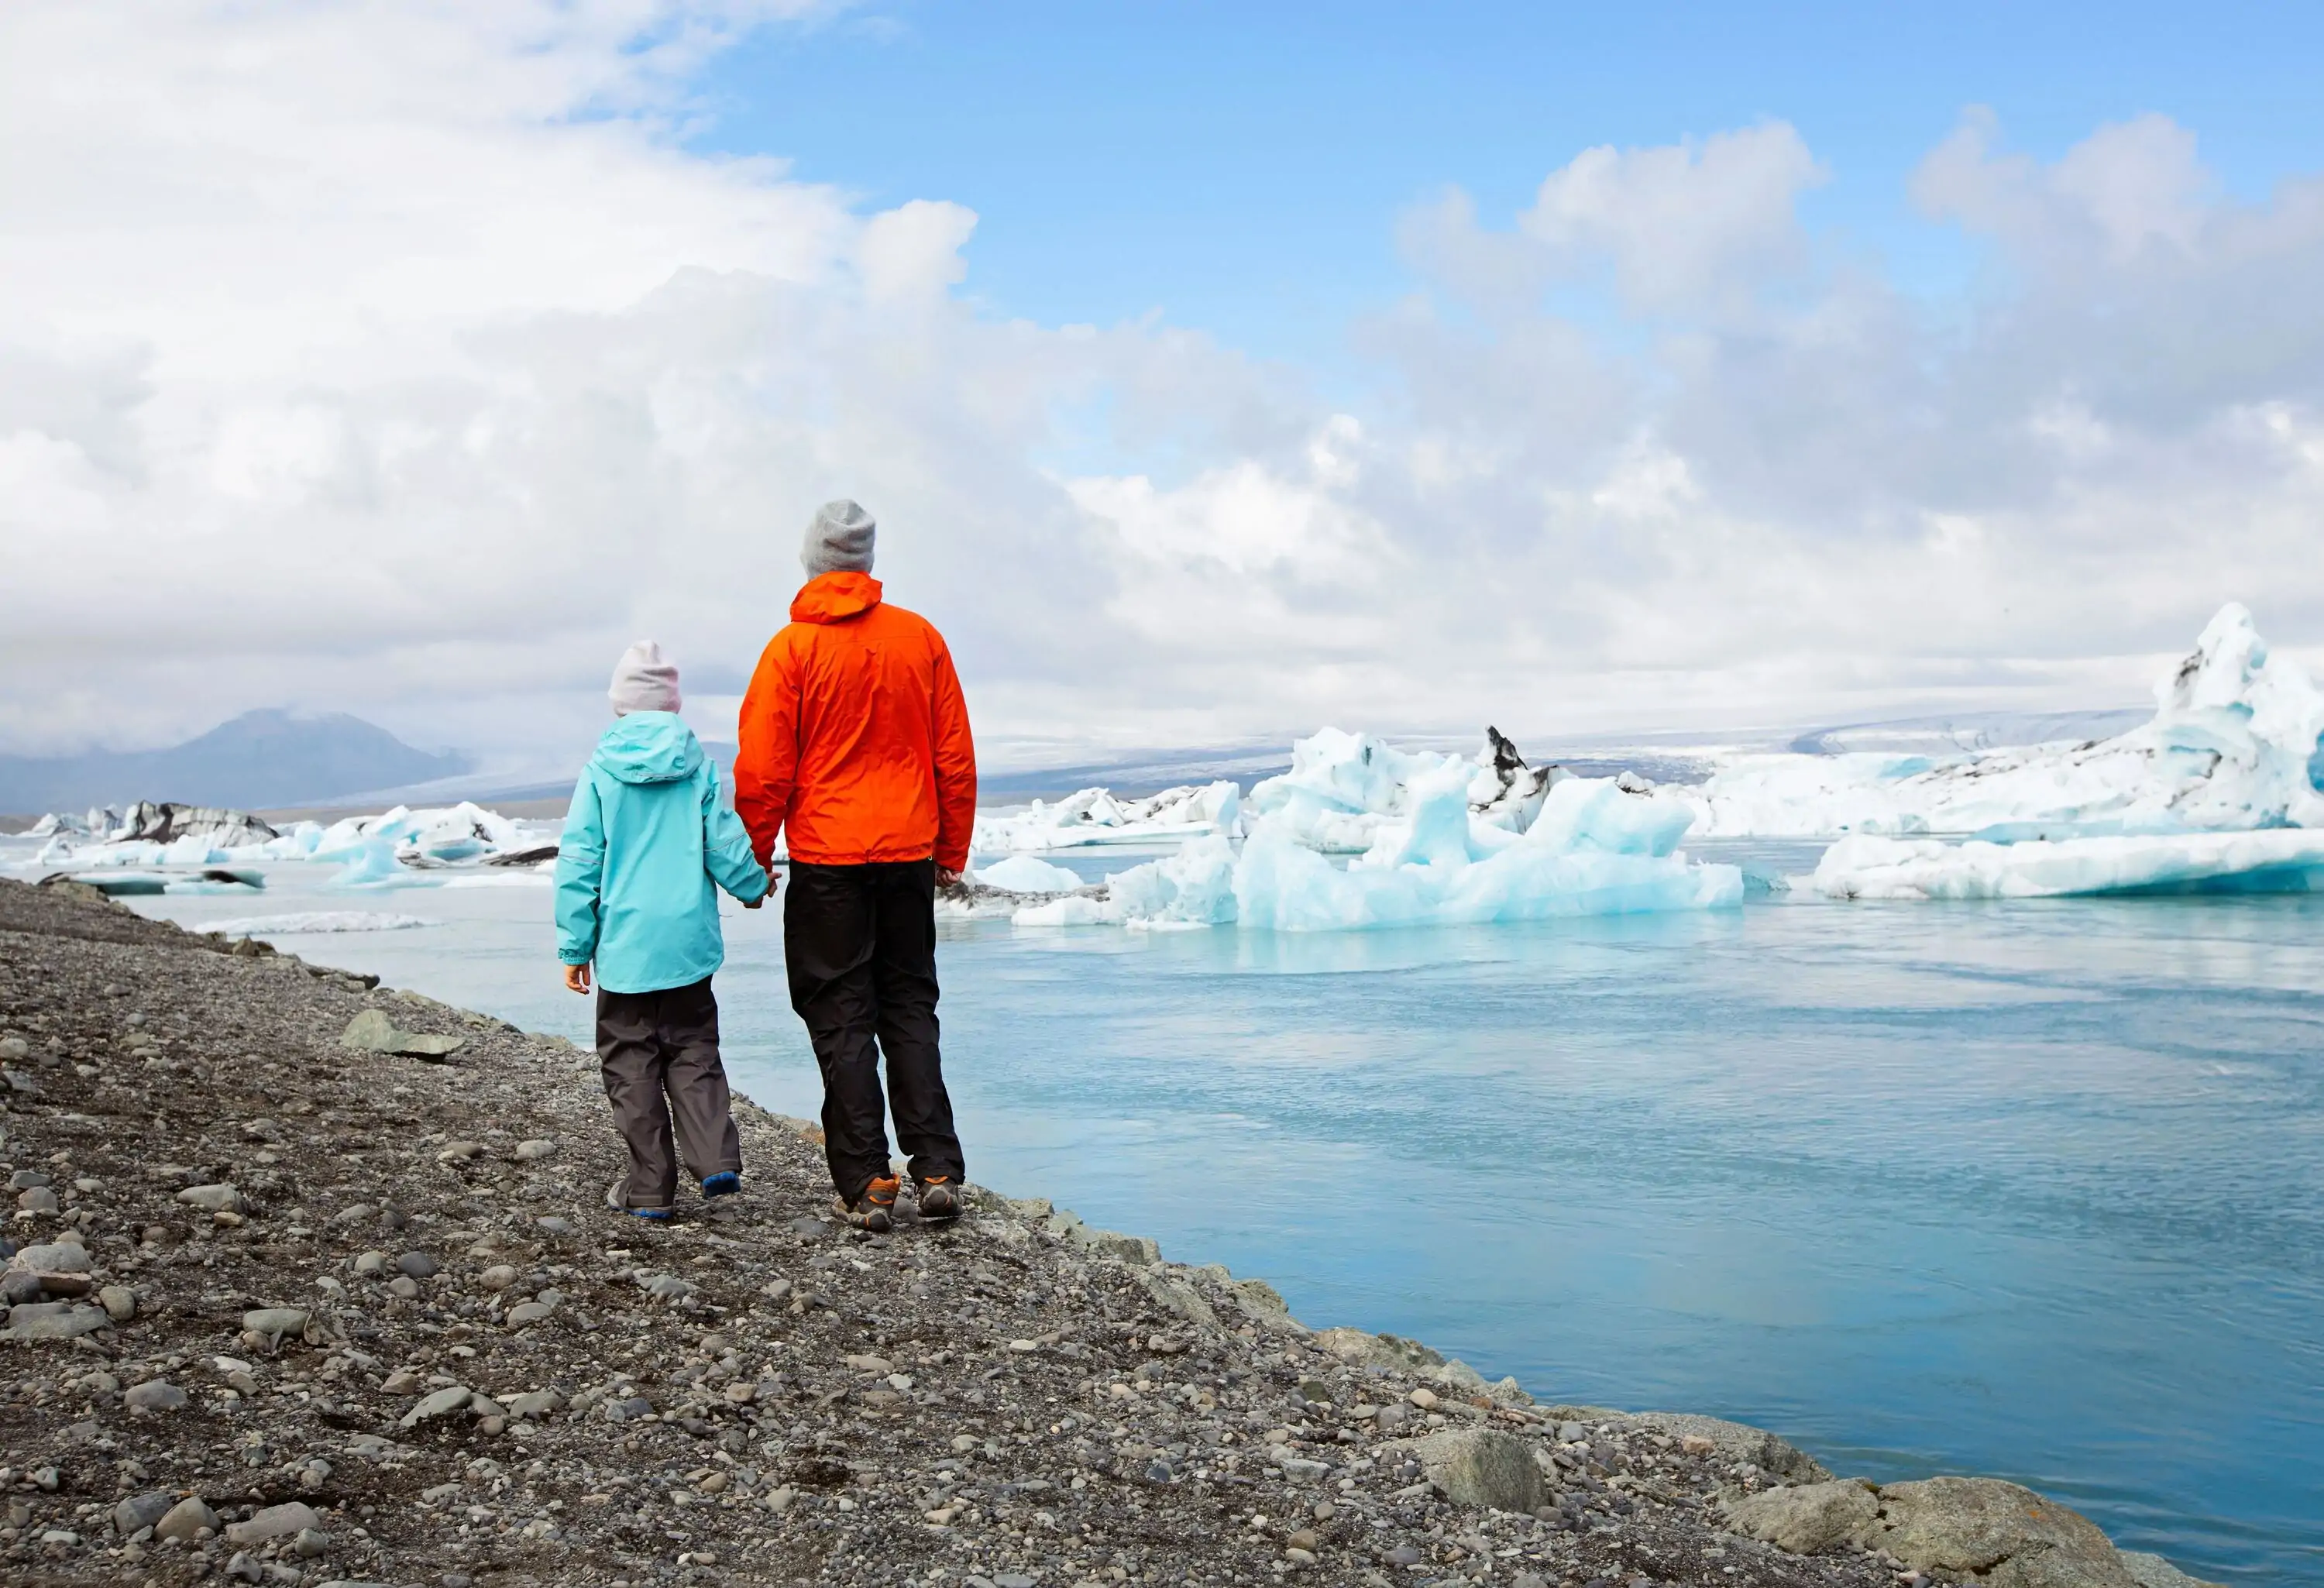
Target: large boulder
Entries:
(372, 1031)
(1808, 1519)
(2008, 1535)
(1482, 1466)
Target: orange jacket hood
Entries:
(831, 598)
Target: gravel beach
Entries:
(312, 1281)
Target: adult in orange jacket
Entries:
(855, 747)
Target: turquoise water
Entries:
(2026, 1189)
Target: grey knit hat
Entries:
(839, 539)
(644, 680)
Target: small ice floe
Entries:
(1093, 816)
(315, 920)
(129, 884)
(1022, 873)
(2278, 860)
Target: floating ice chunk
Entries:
(2277, 860)
(298, 842)
(1194, 886)
(193, 849)
(2232, 746)
(315, 920)
(370, 865)
(1073, 909)
(1093, 816)
(1021, 873)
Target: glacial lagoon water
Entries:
(2034, 1190)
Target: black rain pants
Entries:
(860, 946)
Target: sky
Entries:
(1215, 371)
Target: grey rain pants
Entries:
(659, 1055)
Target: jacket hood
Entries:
(649, 747)
(831, 598)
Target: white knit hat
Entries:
(839, 539)
(644, 680)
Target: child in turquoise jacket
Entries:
(647, 844)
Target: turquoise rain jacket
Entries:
(645, 842)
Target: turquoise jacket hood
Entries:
(648, 843)
(649, 747)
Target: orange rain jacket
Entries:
(854, 736)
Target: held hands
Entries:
(576, 978)
(773, 879)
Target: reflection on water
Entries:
(2026, 1189)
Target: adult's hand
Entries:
(577, 977)
(948, 879)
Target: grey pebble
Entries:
(155, 1395)
(419, 1265)
(275, 1521)
(140, 1511)
(184, 1520)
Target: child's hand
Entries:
(754, 903)
(577, 977)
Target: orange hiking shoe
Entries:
(875, 1210)
(939, 1197)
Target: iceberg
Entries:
(369, 863)
(1093, 816)
(1593, 848)
(1022, 873)
(2232, 746)
(2275, 860)
(1345, 789)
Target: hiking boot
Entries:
(939, 1197)
(875, 1210)
(725, 1183)
(617, 1197)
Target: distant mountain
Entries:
(260, 759)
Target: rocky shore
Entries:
(312, 1281)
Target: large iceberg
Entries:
(2275, 860)
(2232, 746)
(1590, 848)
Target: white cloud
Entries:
(409, 362)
